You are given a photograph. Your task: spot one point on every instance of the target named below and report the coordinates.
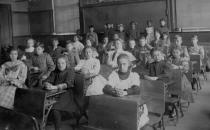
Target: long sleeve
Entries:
(186, 54)
(69, 78)
(22, 73)
(50, 64)
(51, 78)
(201, 52)
(109, 90)
(96, 39)
(134, 90)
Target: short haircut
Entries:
(39, 44)
(162, 19)
(123, 56)
(91, 26)
(153, 51)
(195, 36)
(142, 37)
(133, 22)
(55, 39)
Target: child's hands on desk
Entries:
(150, 77)
(49, 86)
(120, 92)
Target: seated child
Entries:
(150, 32)
(158, 68)
(29, 51)
(157, 43)
(78, 45)
(132, 47)
(89, 44)
(12, 75)
(123, 82)
(144, 52)
(166, 43)
(72, 55)
(183, 49)
(90, 67)
(92, 36)
(121, 32)
(112, 55)
(163, 27)
(133, 32)
(56, 50)
(42, 64)
(102, 50)
(177, 62)
(196, 49)
(60, 79)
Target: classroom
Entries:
(104, 64)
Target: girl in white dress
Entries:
(90, 67)
(123, 82)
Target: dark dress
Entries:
(159, 69)
(66, 102)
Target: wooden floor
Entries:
(198, 115)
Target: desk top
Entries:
(140, 99)
(52, 93)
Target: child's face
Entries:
(157, 56)
(178, 41)
(88, 53)
(123, 65)
(39, 50)
(30, 43)
(55, 42)
(61, 64)
(121, 28)
(157, 35)
(176, 53)
(13, 55)
(118, 45)
(132, 44)
(149, 24)
(162, 22)
(88, 43)
(194, 41)
(116, 36)
(91, 29)
(69, 47)
(133, 26)
(142, 42)
(165, 36)
(76, 38)
(106, 40)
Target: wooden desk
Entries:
(36, 104)
(115, 113)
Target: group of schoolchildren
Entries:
(122, 50)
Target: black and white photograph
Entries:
(104, 64)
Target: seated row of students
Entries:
(53, 77)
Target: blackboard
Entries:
(193, 15)
(124, 13)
